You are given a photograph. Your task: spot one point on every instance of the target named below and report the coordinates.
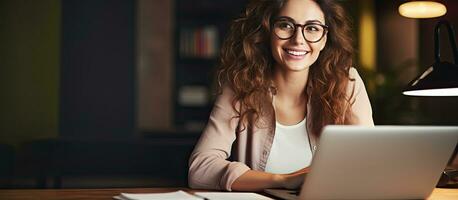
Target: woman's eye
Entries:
(285, 25)
(312, 28)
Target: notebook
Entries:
(181, 195)
(382, 162)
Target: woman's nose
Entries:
(298, 37)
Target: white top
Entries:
(290, 149)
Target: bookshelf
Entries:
(200, 27)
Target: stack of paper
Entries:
(232, 196)
(158, 196)
(181, 195)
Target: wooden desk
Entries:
(96, 194)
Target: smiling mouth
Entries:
(296, 52)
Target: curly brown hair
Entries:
(246, 64)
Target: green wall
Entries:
(29, 69)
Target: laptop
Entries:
(381, 162)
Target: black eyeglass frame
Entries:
(325, 28)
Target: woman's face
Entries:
(296, 53)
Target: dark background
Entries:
(70, 71)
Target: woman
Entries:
(285, 74)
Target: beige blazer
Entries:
(222, 155)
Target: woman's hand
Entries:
(294, 180)
(258, 181)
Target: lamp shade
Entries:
(422, 9)
(441, 79)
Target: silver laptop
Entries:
(382, 162)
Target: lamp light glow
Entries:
(422, 9)
(433, 92)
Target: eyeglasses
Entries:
(285, 28)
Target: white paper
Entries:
(181, 195)
(232, 196)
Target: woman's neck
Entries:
(290, 84)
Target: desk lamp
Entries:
(441, 79)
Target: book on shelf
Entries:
(199, 42)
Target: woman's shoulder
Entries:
(225, 97)
(226, 92)
(356, 82)
(228, 97)
(353, 73)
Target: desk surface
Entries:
(95, 194)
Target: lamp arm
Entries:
(451, 36)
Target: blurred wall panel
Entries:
(396, 51)
(367, 35)
(154, 64)
(29, 69)
(97, 90)
(397, 39)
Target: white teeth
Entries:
(296, 53)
